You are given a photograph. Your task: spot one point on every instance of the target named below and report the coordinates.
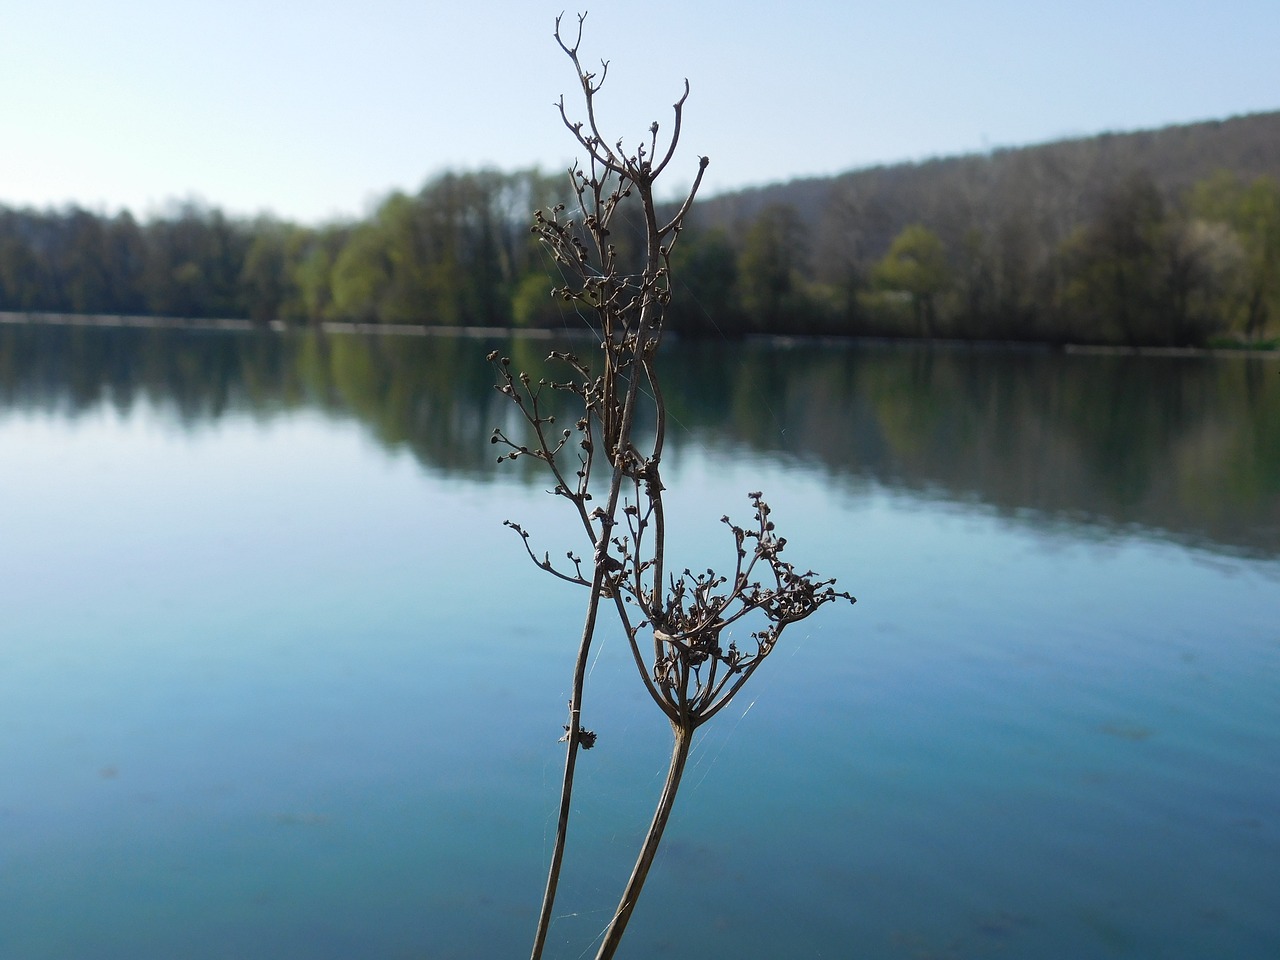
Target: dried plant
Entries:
(675, 624)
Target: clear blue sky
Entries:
(313, 109)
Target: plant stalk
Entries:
(679, 755)
(570, 764)
(580, 665)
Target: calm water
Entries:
(276, 683)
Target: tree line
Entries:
(1142, 268)
(1166, 236)
(1062, 243)
(456, 253)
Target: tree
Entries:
(126, 264)
(194, 260)
(770, 266)
(704, 297)
(1145, 272)
(263, 276)
(916, 265)
(309, 260)
(25, 278)
(83, 268)
(1115, 265)
(1203, 261)
(535, 303)
(1252, 212)
(408, 295)
(361, 275)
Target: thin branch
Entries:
(678, 107)
(688, 200)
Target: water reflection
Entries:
(1181, 447)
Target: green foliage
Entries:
(1131, 260)
(1252, 215)
(1140, 273)
(705, 296)
(916, 266)
(535, 303)
(24, 280)
(770, 266)
(775, 289)
(361, 275)
(263, 278)
(1114, 265)
(309, 260)
(194, 261)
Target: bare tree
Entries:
(675, 624)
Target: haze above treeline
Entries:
(1163, 237)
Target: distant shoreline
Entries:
(235, 324)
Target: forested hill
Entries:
(1163, 237)
(1059, 184)
(1168, 236)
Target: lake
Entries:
(276, 683)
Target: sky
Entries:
(313, 111)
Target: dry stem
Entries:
(690, 676)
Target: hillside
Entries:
(1060, 183)
(1168, 236)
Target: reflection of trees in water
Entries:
(1183, 445)
(1178, 444)
(432, 395)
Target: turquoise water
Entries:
(276, 683)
